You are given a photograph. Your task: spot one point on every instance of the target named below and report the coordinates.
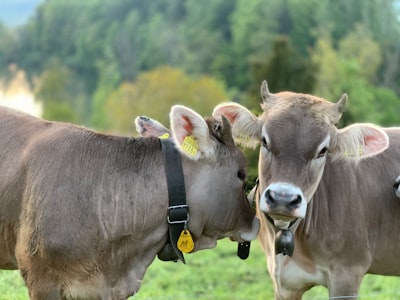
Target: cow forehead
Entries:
(297, 106)
(297, 122)
(295, 140)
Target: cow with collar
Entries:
(325, 196)
(84, 214)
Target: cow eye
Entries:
(264, 143)
(241, 174)
(323, 152)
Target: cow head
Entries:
(215, 170)
(298, 135)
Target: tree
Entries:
(105, 43)
(349, 70)
(154, 92)
(205, 35)
(326, 58)
(253, 29)
(284, 69)
(359, 45)
(6, 47)
(54, 90)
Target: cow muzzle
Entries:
(283, 202)
(251, 234)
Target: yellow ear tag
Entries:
(349, 154)
(190, 146)
(185, 242)
(164, 136)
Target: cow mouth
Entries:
(281, 217)
(279, 220)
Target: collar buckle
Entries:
(178, 214)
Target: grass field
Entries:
(216, 274)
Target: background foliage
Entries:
(82, 54)
(101, 63)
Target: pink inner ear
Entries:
(231, 116)
(188, 126)
(228, 112)
(374, 144)
(186, 129)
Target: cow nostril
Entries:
(269, 196)
(296, 202)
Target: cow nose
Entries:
(283, 195)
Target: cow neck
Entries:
(178, 211)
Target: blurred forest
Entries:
(101, 63)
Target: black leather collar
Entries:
(178, 211)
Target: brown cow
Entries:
(328, 190)
(84, 214)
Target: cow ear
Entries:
(266, 95)
(339, 108)
(191, 133)
(146, 127)
(246, 127)
(359, 141)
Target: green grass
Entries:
(216, 274)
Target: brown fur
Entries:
(348, 229)
(340, 233)
(84, 214)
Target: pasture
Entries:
(216, 274)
